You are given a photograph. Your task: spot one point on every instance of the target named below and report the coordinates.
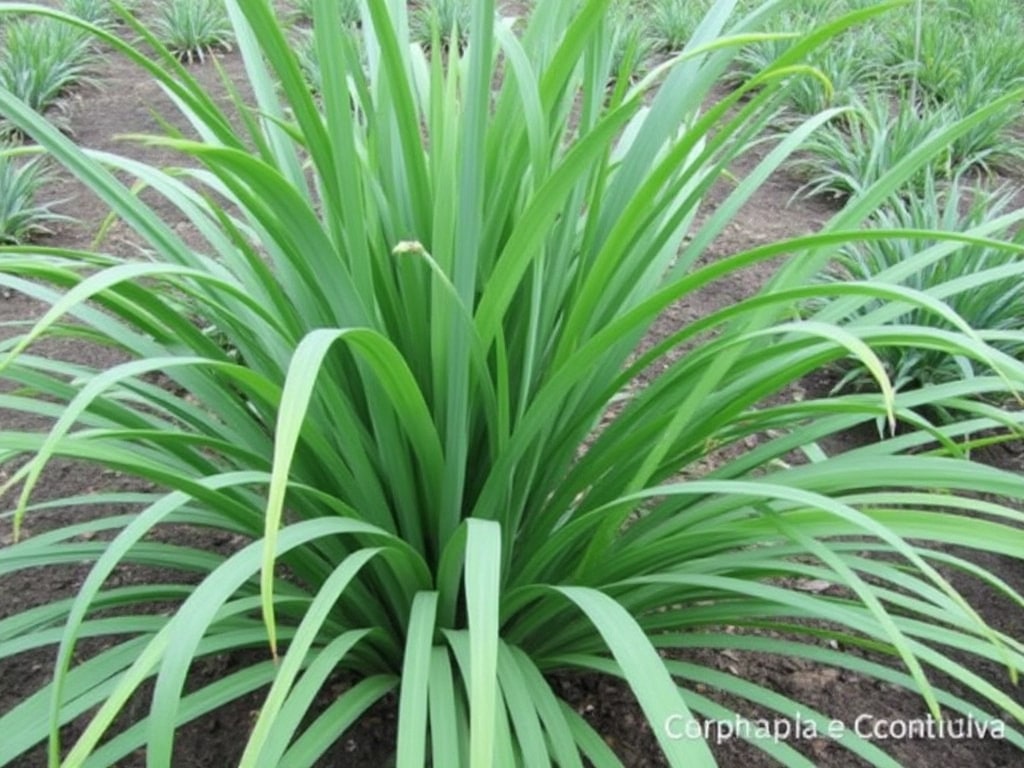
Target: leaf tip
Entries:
(408, 247)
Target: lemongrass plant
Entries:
(427, 289)
(851, 66)
(633, 46)
(973, 279)
(42, 60)
(449, 18)
(672, 22)
(96, 11)
(22, 214)
(193, 29)
(848, 156)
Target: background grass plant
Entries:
(450, 19)
(413, 306)
(851, 153)
(94, 11)
(672, 22)
(848, 156)
(976, 280)
(633, 46)
(906, 76)
(193, 29)
(43, 59)
(848, 67)
(21, 215)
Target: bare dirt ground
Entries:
(125, 103)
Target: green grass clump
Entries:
(632, 44)
(981, 282)
(99, 12)
(193, 29)
(849, 155)
(958, 45)
(42, 59)
(449, 18)
(965, 81)
(672, 22)
(21, 216)
(408, 386)
(907, 75)
(847, 68)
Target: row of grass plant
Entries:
(904, 82)
(902, 75)
(905, 79)
(428, 285)
(41, 62)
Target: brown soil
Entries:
(125, 103)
